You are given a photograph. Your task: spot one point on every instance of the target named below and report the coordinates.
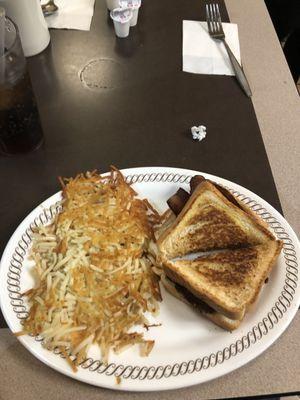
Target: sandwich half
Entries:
(227, 281)
(181, 293)
(210, 221)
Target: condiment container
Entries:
(121, 18)
(133, 5)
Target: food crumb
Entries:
(118, 380)
(146, 326)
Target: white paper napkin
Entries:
(72, 14)
(203, 55)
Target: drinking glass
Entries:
(20, 127)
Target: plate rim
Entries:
(165, 173)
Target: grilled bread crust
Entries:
(210, 221)
(228, 281)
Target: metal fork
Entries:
(215, 30)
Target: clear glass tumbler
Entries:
(20, 127)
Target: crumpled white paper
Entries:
(198, 132)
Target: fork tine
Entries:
(218, 12)
(218, 16)
(215, 15)
(208, 19)
(211, 17)
(213, 7)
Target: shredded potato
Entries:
(93, 266)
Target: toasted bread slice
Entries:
(168, 219)
(222, 321)
(236, 201)
(218, 318)
(210, 221)
(227, 281)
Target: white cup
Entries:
(133, 5)
(28, 16)
(134, 18)
(111, 4)
(121, 18)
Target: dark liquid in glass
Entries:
(20, 128)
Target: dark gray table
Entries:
(126, 102)
(104, 100)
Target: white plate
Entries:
(188, 349)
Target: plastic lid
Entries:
(121, 15)
(134, 4)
